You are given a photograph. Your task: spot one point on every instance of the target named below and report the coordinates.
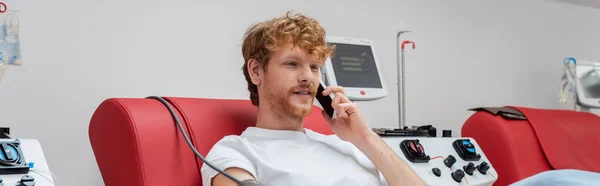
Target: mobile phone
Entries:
(325, 101)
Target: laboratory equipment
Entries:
(445, 161)
(587, 78)
(22, 161)
(583, 81)
(355, 67)
(421, 131)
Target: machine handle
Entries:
(408, 42)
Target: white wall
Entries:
(469, 53)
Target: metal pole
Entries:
(403, 93)
(400, 84)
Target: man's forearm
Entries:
(395, 171)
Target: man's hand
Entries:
(349, 124)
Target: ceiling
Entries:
(587, 3)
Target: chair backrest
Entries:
(136, 141)
(521, 142)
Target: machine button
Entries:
(469, 168)
(449, 161)
(483, 167)
(26, 181)
(414, 151)
(458, 175)
(6, 151)
(437, 172)
(471, 150)
(466, 150)
(413, 148)
(467, 144)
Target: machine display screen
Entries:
(354, 66)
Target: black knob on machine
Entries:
(483, 167)
(458, 175)
(466, 150)
(469, 168)
(26, 181)
(414, 151)
(449, 161)
(447, 133)
(437, 172)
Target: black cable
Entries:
(163, 101)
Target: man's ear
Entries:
(255, 71)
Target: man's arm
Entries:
(229, 155)
(395, 171)
(350, 126)
(240, 174)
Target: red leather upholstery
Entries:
(546, 140)
(136, 141)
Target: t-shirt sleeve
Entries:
(227, 153)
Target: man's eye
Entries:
(293, 64)
(314, 67)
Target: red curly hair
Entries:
(263, 38)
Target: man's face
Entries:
(291, 81)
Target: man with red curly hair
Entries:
(282, 59)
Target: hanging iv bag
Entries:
(10, 51)
(567, 85)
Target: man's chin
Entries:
(300, 110)
(303, 110)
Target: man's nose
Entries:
(306, 75)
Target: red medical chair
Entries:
(521, 142)
(137, 142)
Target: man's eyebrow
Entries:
(294, 57)
(297, 58)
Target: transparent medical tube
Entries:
(3, 68)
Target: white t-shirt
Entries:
(292, 158)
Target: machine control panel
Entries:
(444, 161)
